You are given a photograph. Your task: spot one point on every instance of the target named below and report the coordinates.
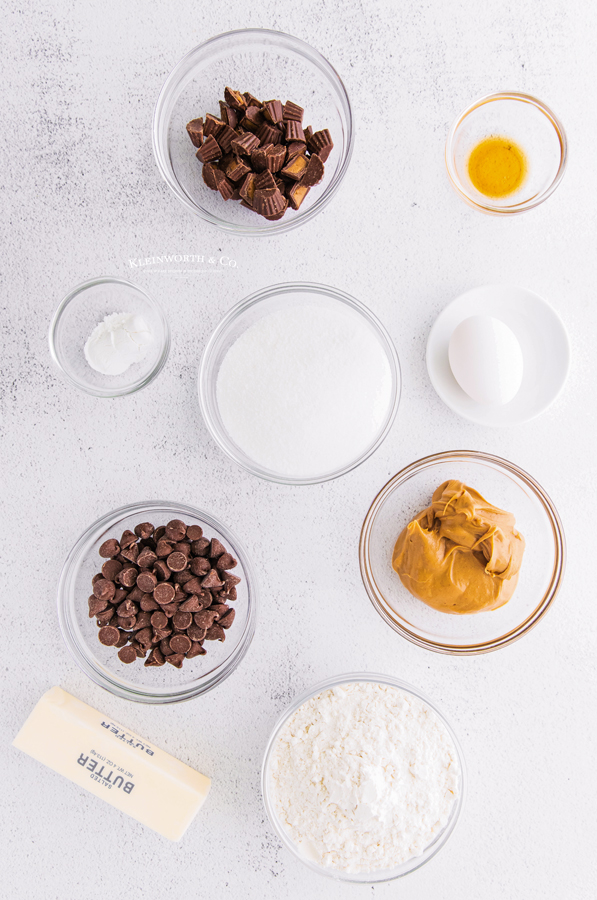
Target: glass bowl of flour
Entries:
(109, 337)
(299, 383)
(363, 779)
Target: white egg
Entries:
(486, 360)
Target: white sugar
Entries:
(305, 390)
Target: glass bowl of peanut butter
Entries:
(462, 552)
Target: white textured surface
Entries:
(81, 197)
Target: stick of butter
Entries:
(111, 762)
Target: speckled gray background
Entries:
(81, 195)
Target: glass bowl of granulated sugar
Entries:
(363, 779)
(299, 383)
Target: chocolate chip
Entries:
(193, 604)
(180, 643)
(146, 581)
(108, 635)
(200, 565)
(105, 617)
(127, 655)
(182, 620)
(177, 561)
(143, 621)
(196, 633)
(147, 603)
(216, 549)
(200, 547)
(196, 650)
(159, 532)
(165, 647)
(159, 619)
(109, 548)
(144, 636)
(155, 658)
(128, 538)
(96, 605)
(161, 570)
(128, 577)
(164, 547)
(111, 568)
(215, 633)
(176, 530)
(104, 589)
(170, 609)
(205, 618)
(176, 659)
(211, 580)
(194, 532)
(193, 585)
(127, 608)
(227, 561)
(122, 640)
(144, 530)
(227, 620)
(146, 558)
(220, 609)
(96, 577)
(164, 593)
(126, 622)
(140, 651)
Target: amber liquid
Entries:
(497, 167)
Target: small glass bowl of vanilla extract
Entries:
(506, 153)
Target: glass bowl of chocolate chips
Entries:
(253, 131)
(156, 602)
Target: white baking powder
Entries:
(305, 390)
(364, 777)
(117, 342)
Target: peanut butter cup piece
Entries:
(272, 110)
(275, 158)
(269, 134)
(209, 176)
(228, 114)
(237, 169)
(252, 119)
(211, 126)
(235, 99)
(294, 131)
(244, 144)
(296, 168)
(313, 172)
(195, 131)
(209, 150)
(321, 143)
(297, 194)
(292, 112)
(225, 138)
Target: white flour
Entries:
(364, 777)
(305, 390)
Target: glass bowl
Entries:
(527, 122)
(164, 684)
(269, 64)
(503, 484)
(243, 316)
(84, 308)
(268, 789)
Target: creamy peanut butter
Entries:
(461, 554)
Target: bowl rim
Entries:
(295, 287)
(515, 208)
(160, 128)
(57, 320)
(438, 842)
(475, 648)
(106, 679)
